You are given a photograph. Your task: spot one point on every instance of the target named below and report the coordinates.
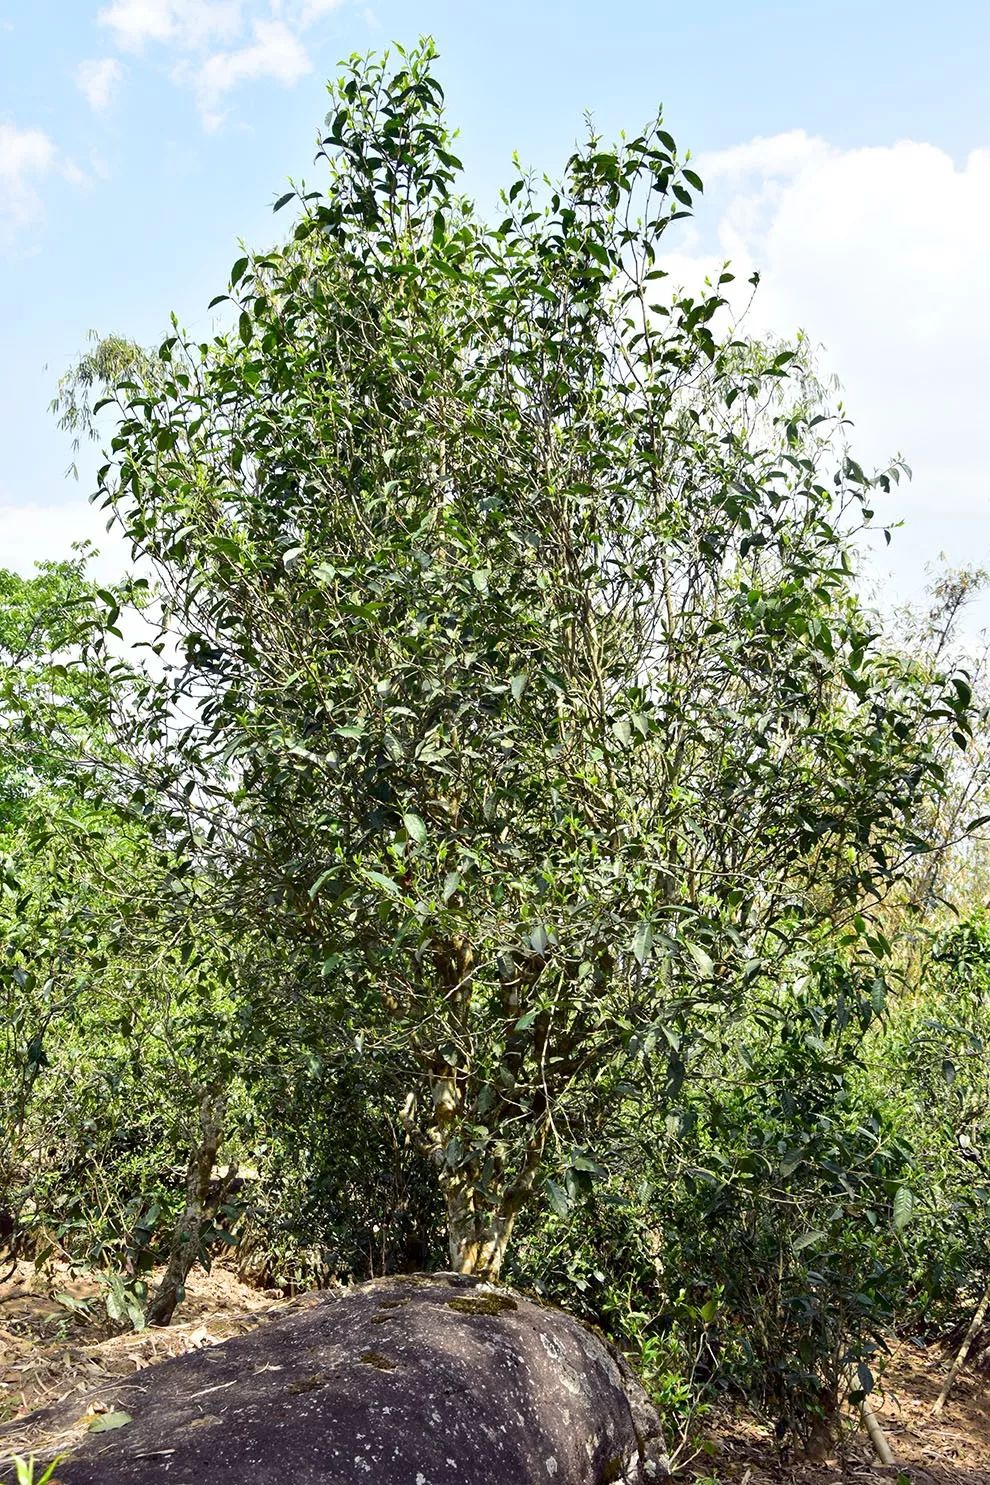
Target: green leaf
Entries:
(623, 731)
(386, 884)
(584, 1162)
(539, 940)
(314, 890)
(560, 1202)
(415, 828)
(106, 1422)
(807, 1239)
(701, 959)
(964, 690)
(642, 944)
(903, 1208)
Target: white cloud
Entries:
(26, 156)
(302, 13)
(187, 24)
(135, 22)
(215, 45)
(314, 10)
(879, 253)
(275, 52)
(73, 173)
(96, 80)
(765, 157)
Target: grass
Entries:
(25, 1472)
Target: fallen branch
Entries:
(963, 1351)
(877, 1436)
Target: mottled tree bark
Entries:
(189, 1228)
(477, 1241)
(478, 1227)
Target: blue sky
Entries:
(847, 149)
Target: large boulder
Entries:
(421, 1380)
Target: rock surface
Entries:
(423, 1380)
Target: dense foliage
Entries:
(512, 832)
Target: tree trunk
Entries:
(188, 1229)
(478, 1232)
(477, 1240)
(963, 1351)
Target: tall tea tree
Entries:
(516, 673)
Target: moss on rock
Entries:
(482, 1304)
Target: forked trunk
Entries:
(480, 1219)
(477, 1240)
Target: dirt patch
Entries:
(953, 1449)
(57, 1345)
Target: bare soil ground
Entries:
(951, 1449)
(51, 1353)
